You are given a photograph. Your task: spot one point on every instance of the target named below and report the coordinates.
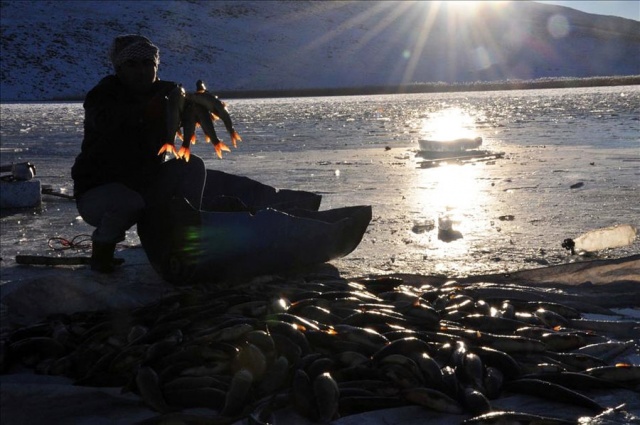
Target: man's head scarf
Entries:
(133, 47)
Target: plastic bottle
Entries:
(599, 239)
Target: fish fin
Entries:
(168, 147)
(235, 137)
(219, 147)
(185, 153)
(193, 139)
(179, 134)
(214, 116)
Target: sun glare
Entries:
(470, 5)
(463, 4)
(448, 124)
(466, 46)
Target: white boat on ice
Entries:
(454, 145)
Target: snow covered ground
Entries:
(56, 49)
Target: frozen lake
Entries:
(509, 214)
(571, 164)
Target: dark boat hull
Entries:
(219, 187)
(259, 231)
(205, 246)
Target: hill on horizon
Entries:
(58, 49)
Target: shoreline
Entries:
(439, 87)
(414, 88)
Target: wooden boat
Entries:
(454, 145)
(238, 233)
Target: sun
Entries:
(463, 4)
(459, 5)
(470, 6)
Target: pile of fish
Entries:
(327, 348)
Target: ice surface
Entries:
(511, 213)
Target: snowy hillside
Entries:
(57, 49)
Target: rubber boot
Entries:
(102, 257)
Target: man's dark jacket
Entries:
(123, 132)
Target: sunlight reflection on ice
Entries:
(456, 195)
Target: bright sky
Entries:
(627, 9)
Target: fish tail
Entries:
(235, 137)
(219, 147)
(184, 153)
(168, 147)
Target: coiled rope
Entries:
(82, 241)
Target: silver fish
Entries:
(174, 104)
(475, 401)
(148, 384)
(189, 125)
(216, 107)
(621, 373)
(206, 124)
(327, 395)
(238, 392)
(606, 350)
(206, 397)
(553, 392)
(433, 399)
(501, 417)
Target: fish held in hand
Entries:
(206, 123)
(174, 105)
(189, 125)
(216, 107)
